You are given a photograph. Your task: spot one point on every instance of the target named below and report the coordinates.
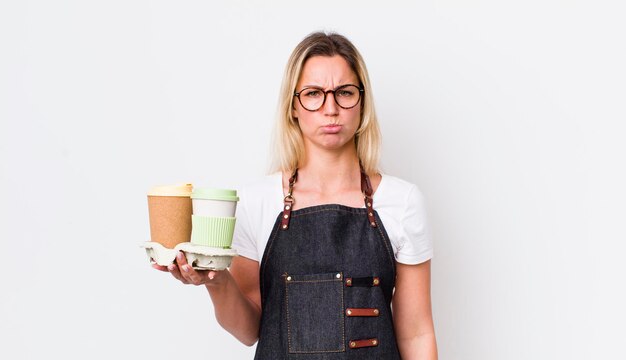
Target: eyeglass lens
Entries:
(346, 96)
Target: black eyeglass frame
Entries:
(361, 91)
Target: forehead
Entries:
(327, 71)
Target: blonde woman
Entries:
(334, 257)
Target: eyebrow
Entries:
(321, 87)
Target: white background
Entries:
(509, 115)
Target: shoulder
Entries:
(401, 207)
(260, 202)
(267, 186)
(263, 182)
(395, 192)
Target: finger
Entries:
(160, 267)
(181, 259)
(188, 273)
(193, 276)
(175, 271)
(214, 277)
(185, 269)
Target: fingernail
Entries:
(186, 268)
(211, 275)
(180, 255)
(170, 268)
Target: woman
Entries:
(327, 243)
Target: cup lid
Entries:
(215, 194)
(171, 190)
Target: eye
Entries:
(345, 92)
(311, 93)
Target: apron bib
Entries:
(327, 278)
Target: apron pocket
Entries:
(315, 313)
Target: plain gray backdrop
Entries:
(509, 115)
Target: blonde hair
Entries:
(289, 144)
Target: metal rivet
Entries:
(288, 278)
(376, 281)
(349, 282)
(376, 311)
(352, 344)
(338, 276)
(287, 207)
(349, 312)
(373, 223)
(369, 204)
(286, 216)
(284, 226)
(371, 214)
(374, 342)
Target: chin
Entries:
(337, 145)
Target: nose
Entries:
(330, 106)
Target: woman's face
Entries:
(330, 127)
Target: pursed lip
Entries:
(331, 128)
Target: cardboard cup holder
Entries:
(198, 256)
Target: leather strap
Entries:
(351, 312)
(355, 344)
(366, 188)
(288, 202)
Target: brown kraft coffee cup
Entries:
(170, 212)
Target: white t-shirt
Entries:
(399, 204)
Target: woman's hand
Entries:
(186, 274)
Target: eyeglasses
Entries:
(313, 98)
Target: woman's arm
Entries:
(412, 312)
(235, 294)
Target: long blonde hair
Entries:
(289, 144)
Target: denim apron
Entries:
(327, 279)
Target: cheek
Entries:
(356, 117)
(305, 121)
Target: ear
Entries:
(294, 113)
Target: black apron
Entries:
(327, 279)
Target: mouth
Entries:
(332, 128)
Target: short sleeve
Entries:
(243, 239)
(414, 242)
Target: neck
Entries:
(331, 168)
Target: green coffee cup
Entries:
(213, 219)
(213, 231)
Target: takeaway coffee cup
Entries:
(213, 219)
(170, 212)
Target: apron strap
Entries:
(289, 201)
(366, 189)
